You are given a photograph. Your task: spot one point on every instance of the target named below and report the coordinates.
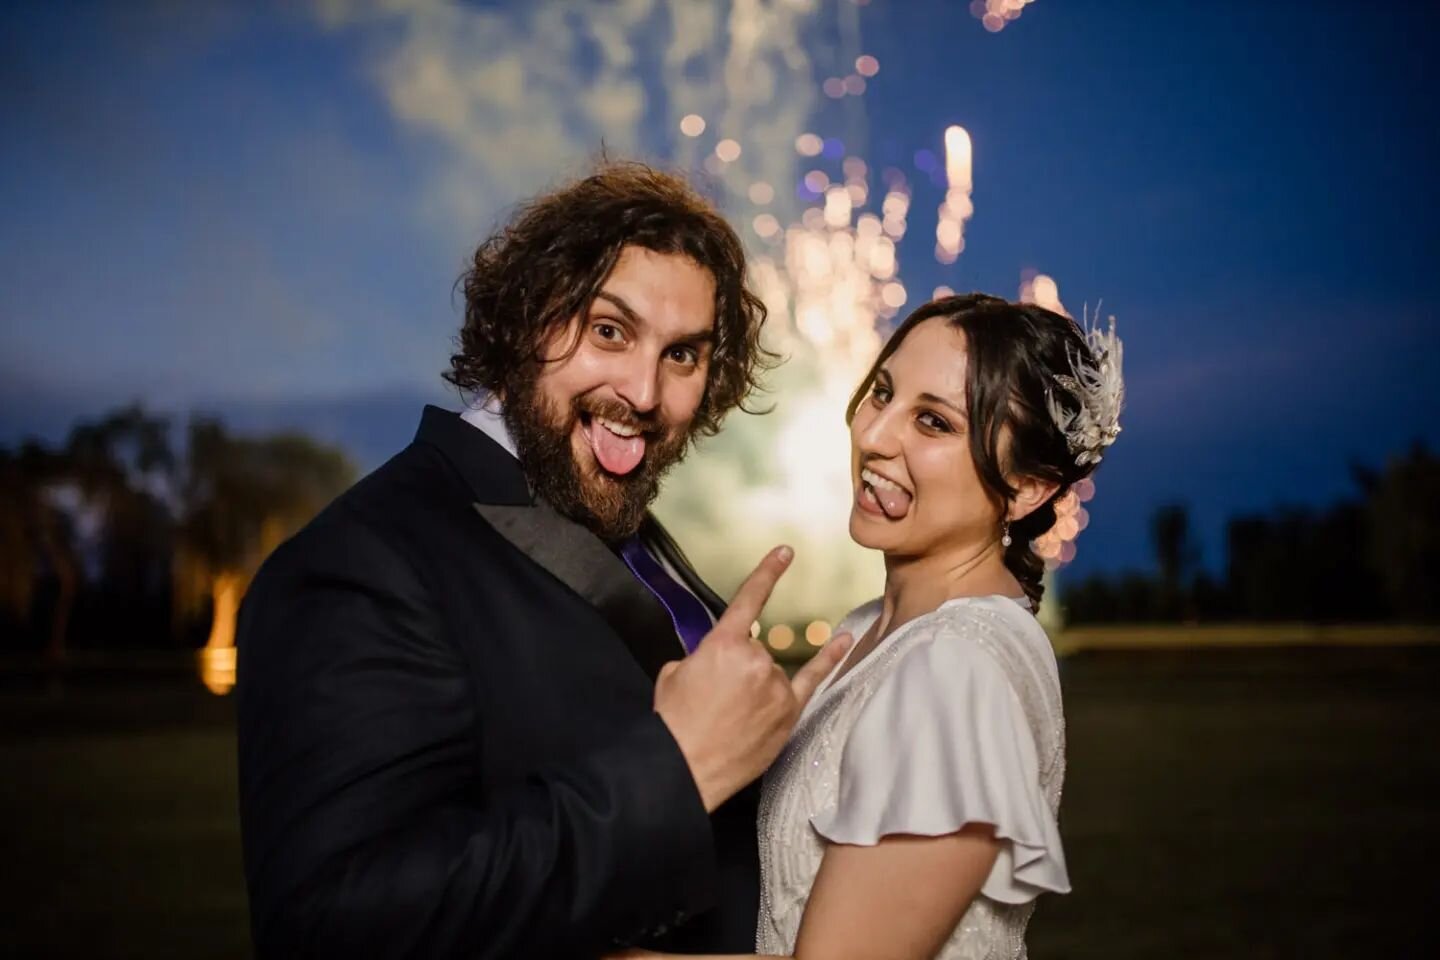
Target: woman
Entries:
(913, 813)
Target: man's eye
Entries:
(607, 331)
(684, 355)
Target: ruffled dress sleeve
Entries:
(944, 742)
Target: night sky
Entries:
(262, 209)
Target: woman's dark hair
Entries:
(528, 280)
(1014, 352)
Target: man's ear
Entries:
(1030, 494)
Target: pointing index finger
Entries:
(754, 593)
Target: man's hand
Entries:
(729, 705)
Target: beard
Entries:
(609, 505)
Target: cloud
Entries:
(516, 99)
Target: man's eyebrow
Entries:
(704, 338)
(636, 320)
(618, 302)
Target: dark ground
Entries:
(1237, 803)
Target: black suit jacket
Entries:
(447, 741)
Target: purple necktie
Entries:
(688, 614)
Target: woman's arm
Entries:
(900, 899)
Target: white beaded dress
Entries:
(954, 718)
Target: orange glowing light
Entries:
(217, 660)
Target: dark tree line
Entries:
(116, 538)
(1373, 556)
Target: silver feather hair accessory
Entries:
(1099, 389)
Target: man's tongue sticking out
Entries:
(618, 455)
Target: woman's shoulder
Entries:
(979, 632)
(979, 618)
(857, 621)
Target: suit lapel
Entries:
(568, 551)
(578, 559)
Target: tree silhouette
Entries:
(37, 536)
(1176, 557)
(125, 473)
(20, 542)
(1404, 541)
(241, 498)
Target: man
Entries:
(468, 723)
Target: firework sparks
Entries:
(957, 208)
(996, 14)
(1041, 290)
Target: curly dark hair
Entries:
(1014, 351)
(532, 277)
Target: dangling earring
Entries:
(1005, 540)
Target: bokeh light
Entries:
(817, 633)
(995, 14)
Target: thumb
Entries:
(810, 676)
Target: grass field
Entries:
(1261, 803)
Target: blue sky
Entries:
(262, 208)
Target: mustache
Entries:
(618, 411)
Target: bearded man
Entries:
(486, 709)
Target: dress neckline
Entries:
(830, 684)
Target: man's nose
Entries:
(640, 385)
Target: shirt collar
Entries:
(485, 415)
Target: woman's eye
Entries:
(934, 422)
(881, 395)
